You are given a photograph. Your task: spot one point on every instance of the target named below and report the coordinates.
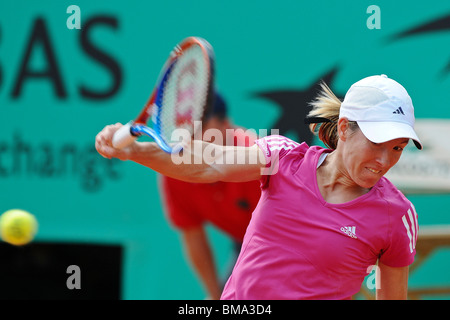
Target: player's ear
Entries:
(343, 128)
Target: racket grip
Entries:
(123, 137)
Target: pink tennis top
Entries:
(298, 246)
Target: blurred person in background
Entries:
(228, 206)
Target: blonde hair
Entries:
(327, 106)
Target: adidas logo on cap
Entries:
(399, 111)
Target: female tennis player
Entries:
(325, 216)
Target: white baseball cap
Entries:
(382, 108)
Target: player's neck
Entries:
(335, 183)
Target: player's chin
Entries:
(368, 181)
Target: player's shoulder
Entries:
(282, 143)
(282, 154)
(397, 201)
(276, 139)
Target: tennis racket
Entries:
(181, 98)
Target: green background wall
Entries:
(47, 162)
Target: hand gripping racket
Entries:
(180, 99)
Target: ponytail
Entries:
(326, 106)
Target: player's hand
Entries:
(103, 144)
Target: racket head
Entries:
(184, 91)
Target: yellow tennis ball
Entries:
(18, 227)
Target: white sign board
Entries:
(427, 170)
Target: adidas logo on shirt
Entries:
(350, 231)
(399, 111)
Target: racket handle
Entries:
(123, 137)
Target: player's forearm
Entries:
(189, 165)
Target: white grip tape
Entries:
(123, 137)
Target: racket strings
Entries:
(184, 94)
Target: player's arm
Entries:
(394, 283)
(199, 161)
(200, 255)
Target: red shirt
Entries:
(227, 205)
